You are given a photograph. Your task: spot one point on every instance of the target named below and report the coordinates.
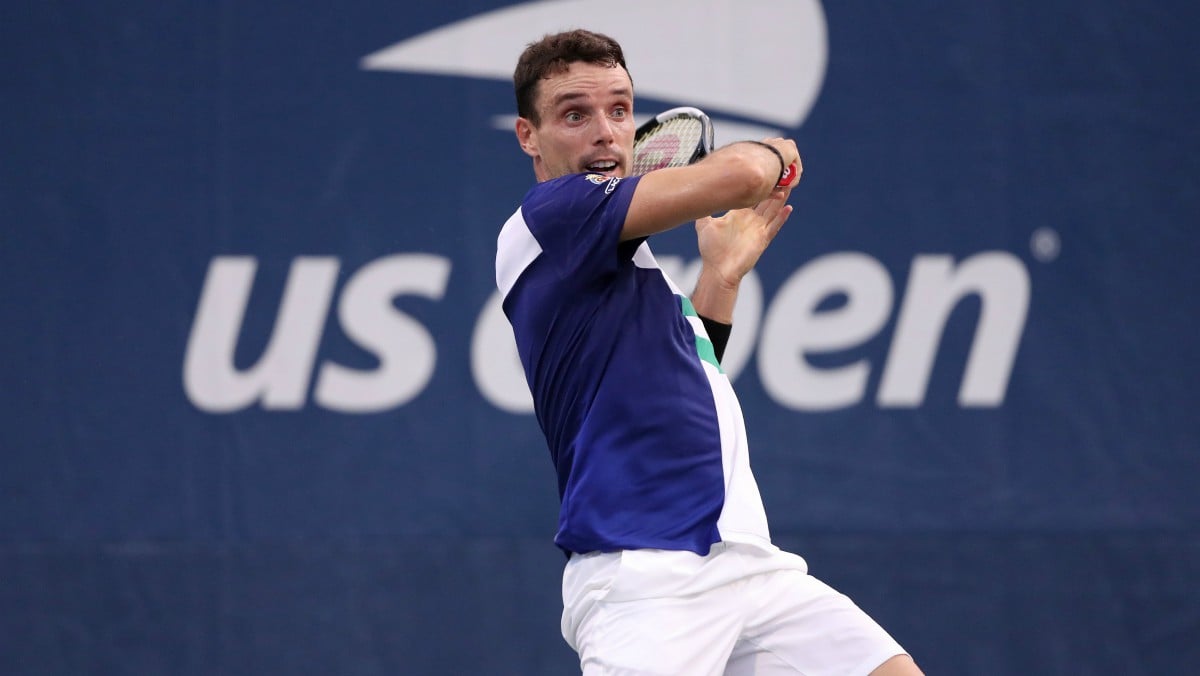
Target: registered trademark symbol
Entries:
(1045, 244)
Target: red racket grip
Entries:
(789, 175)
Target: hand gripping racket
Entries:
(676, 138)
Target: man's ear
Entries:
(527, 137)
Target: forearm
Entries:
(714, 296)
(713, 300)
(734, 177)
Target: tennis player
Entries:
(670, 569)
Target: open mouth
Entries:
(603, 167)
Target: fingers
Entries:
(786, 148)
(765, 219)
(769, 215)
(774, 202)
(774, 218)
(791, 156)
(776, 223)
(769, 207)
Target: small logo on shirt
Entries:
(601, 179)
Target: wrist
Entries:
(720, 279)
(783, 165)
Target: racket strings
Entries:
(674, 143)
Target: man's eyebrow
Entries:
(566, 97)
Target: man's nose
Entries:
(604, 131)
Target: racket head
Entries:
(673, 138)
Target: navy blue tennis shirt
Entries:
(643, 427)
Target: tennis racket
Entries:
(676, 138)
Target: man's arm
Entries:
(736, 176)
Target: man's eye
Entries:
(619, 113)
(574, 117)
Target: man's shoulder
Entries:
(571, 186)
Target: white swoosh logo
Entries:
(757, 59)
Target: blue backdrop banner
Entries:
(263, 414)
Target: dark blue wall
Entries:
(155, 521)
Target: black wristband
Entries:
(718, 335)
(783, 167)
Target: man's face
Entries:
(586, 124)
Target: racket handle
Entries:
(789, 175)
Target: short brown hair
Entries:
(554, 54)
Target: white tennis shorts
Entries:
(740, 610)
